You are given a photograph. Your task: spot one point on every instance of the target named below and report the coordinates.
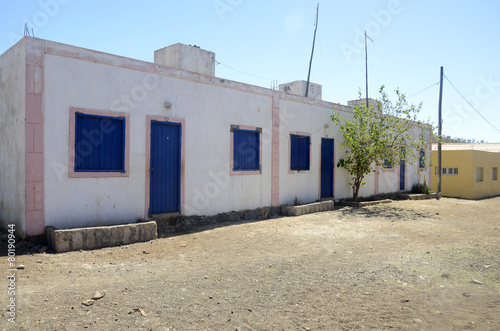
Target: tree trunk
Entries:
(355, 188)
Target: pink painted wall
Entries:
(34, 180)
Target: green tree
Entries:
(381, 134)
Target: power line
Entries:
(244, 73)
(477, 111)
(428, 87)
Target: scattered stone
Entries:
(20, 267)
(445, 275)
(417, 320)
(436, 312)
(39, 261)
(35, 249)
(88, 302)
(143, 313)
(466, 294)
(98, 295)
(476, 282)
(43, 249)
(210, 297)
(145, 252)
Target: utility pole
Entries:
(439, 128)
(312, 52)
(366, 64)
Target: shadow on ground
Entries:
(394, 214)
(191, 224)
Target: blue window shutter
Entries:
(246, 150)
(87, 143)
(387, 164)
(294, 152)
(111, 149)
(304, 153)
(299, 152)
(99, 143)
(421, 161)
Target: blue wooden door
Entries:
(402, 174)
(165, 168)
(327, 164)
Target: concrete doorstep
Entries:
(413, 196)
(99, 237)
(308, 208)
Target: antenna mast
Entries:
(312, 52)
(366, 64)
(440, 120)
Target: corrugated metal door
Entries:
(165, 168)
(327, 164)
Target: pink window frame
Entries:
(72, 118)
(391, 169)
(290, 171)
(231, 145)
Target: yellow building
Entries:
(468, 170)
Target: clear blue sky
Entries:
(272, 40)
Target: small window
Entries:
(300, 151)
(246, 150)
(494, 173)
(479, 174)
(99, 143)
(387, 164)
(444, 171)
(421, 159)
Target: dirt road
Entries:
(416, 265)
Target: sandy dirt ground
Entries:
(411, 265)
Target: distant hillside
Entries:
(450, 140)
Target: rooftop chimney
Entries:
(362, 102)
(298, 87)
(187, 57)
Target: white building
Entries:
(88, 138)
